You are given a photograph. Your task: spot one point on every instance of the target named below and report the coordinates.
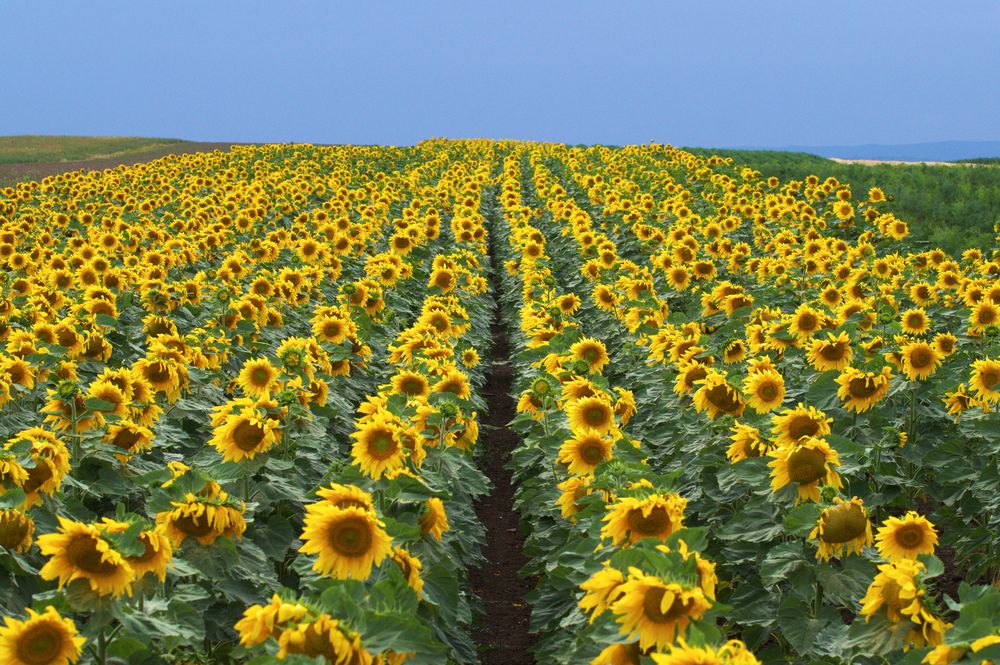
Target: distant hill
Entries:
(940, 151)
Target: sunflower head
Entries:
(348, 541)
(805, 464)
(631, 519)
(45, 638)
(843, 526)
(906, 537)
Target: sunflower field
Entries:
(240, 398)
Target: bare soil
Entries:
(501, 634)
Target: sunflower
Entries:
(793, 424)
(765, 390)
(157, 553)
(163, 376)
(412, 384)
(591, 413)
(807, 463)
(50, 458)
(898, 589)
(454, 382)
(410, 566)
(619, 654)
(80, 551)
(434, 520)
(656, 516)
(842, 527)
(348, 541)
(343, 496)
(805, 321)
(591, 351)
(573, 489)
(656, 610)
(378, 447)
(129, 438)
(333, 328)
(860, 391)
(257, 378)
(45, 638)
(832, 353)
(470, 357)
(585, 451)
(600, 591)
(244, 435)
(919, 360)
(945, 343)
(984, 314)
(625, 406)
(733, 652)
(204, 518)
(690, 373)
(985, 380)
(325, 637)
(16, 530)
(906, 537)
(260, 622)
(716, 397)
(746, 442)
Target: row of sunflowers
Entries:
(238, 400)
(758, 421)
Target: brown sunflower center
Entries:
(37, 476)
(767, 392)
(248, 436)
(723, 398)
(990, 377)
(260, 376)
(801, 426)
(82, 553)
(652, 603)
(862, 387)
(656, 522)
(843, 524)
(596, 415)
(332, 329)
(909, 536)
(191, 525)
(125, 439)
(921, 358)
(915, 321)
(351, 537)
(39, 645)
(382, 445)
(695, 374)
(14, 529)
(412, 385)
(158, 373)
(592, 452)
(148, 551)
(807, 322)
(806, 465)
(833, 351)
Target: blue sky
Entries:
(706, 73)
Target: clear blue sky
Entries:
(703, 72)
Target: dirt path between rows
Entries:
(12, 173)
(501, 634)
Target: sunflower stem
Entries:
(819, 600)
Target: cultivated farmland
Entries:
(249, 412)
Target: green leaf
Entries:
(781, 561)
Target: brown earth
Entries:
(13, 173)
(501, 634)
